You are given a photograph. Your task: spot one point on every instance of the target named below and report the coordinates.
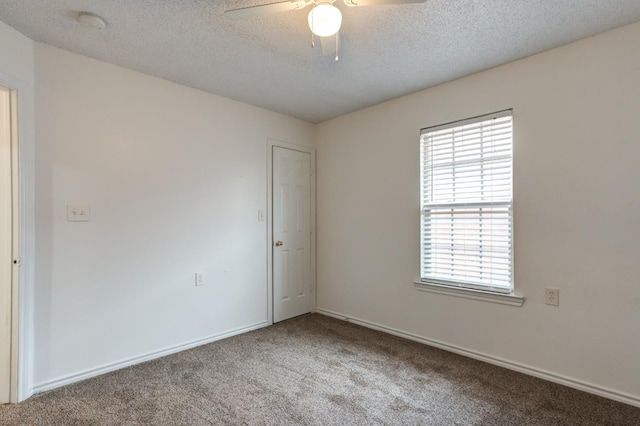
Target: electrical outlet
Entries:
(199, 279)
(551, 296)
(78, 212)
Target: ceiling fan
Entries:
(324, 18)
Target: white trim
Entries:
(73, 378)
(510, 365)
(7, 249)
(22, 292)
(468, 293)
(483, 147)
(15, 250)
(312, 152)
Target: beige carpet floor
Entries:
(315, 370)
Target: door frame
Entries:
(11, 286)
(271, 143)
(23, 236)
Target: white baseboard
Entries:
(73, 378)
(531, 371)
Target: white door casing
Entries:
(292, 231)
(6, 244)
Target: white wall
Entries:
(17, 73)
(16, 50)
(576, 207)
(175, 178)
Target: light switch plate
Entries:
(78, 212)
(199, 279)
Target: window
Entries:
(466, 193)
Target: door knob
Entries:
(279, 243)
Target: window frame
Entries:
(468, 288)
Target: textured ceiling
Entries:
(386, 51)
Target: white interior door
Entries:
(292, 290)
(5, 244)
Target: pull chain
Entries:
(313, 42)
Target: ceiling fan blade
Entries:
(379, 2)
(264, 9)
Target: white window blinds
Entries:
(466, 192)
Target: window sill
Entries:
(485, 296)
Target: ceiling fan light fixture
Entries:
(325, 20)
